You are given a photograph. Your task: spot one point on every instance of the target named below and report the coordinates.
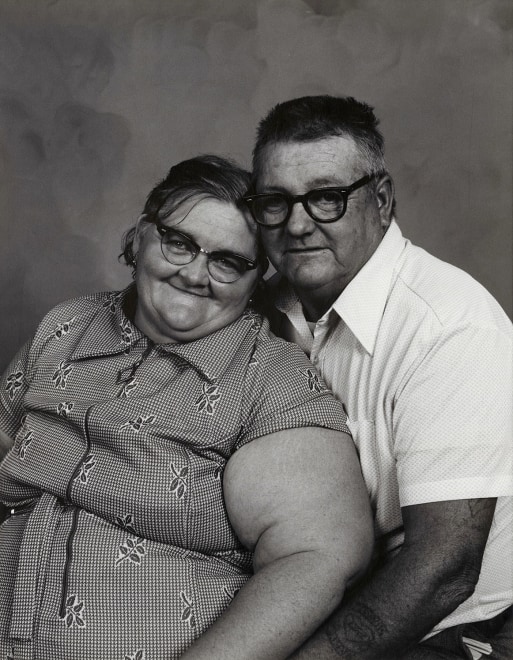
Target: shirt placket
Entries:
(319, 340)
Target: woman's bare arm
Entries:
(297, 499)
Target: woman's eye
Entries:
(174, 242)
(228, 263)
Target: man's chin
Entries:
(305, 278)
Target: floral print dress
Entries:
(118, 546)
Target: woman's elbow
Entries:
(349, 551)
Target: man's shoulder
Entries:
(444, 291)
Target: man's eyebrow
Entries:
(321, 182)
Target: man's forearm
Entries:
(435, 571)
(393, 611)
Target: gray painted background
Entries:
(99, 98)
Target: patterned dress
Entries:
(118, 546)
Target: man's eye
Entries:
(327, 197)
(272, 204)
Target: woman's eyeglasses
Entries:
(321, 204)
(179, 249)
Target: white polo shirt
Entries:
(421, 356)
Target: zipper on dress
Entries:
(123, 377)
(67, 565)
(74, 522)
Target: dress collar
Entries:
(111, 332)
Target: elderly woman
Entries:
(178, 477)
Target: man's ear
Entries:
(385, 197)
(140, 228)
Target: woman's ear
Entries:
(140, 228)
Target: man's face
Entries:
(319, 260)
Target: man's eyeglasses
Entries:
(179, 249)
(321, 204)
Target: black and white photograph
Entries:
(256, 392)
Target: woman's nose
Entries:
(196, 271)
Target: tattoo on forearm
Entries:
(355, 631)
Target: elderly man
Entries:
(421, 356)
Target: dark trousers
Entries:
(449, 644)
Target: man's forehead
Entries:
(315, 159)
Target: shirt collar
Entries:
(362, 303)
(111, 332)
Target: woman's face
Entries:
(183, 303)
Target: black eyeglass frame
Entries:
(163, 230)
(291, 200)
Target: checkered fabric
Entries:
(421, 356)
(119, 547)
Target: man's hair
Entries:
(315, 117)
(205, 176)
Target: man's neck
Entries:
(314, 304)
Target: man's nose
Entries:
(300, 222)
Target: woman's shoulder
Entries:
(90, 301)
(73, 310)
(271, 348)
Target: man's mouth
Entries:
(304, 250)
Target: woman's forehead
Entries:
(215, 221)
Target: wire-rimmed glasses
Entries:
(179, 249)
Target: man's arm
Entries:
(296, 498)
(436, 570)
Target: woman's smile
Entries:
(183, 302)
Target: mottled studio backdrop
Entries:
(99, 98)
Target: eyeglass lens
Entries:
(223, 266)
(321, 204)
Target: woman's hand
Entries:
(297, 499)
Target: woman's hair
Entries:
(202, 177)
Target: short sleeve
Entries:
(284, 391)
(13, 386)
(453, 419)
